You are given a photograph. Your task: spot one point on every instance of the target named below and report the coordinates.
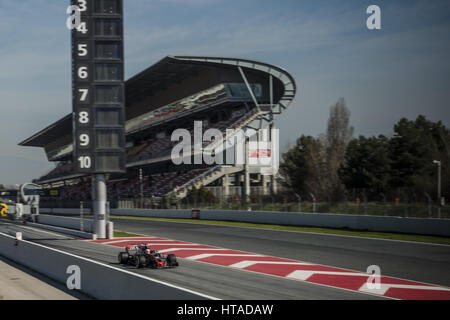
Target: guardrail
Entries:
(72, 232)
(97, 279)
(428, 226)
(83, 228)
(66, 222)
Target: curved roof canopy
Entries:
(176, 69)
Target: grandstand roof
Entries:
(49, 134)
(160, 76)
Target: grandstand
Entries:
(222, 93)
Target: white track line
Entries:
(208, 255)
(18, 226)
(176, 244)
(117, 269)
(153, 244)
(303, 275)
(192, 249)
(119, 241)
(384, 287)
(438, 287)
(247, 263)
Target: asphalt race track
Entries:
(413, 261)
(420, 262)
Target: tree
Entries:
(206, 196)
(201, 195)
(367, 165)
(412, 150)
(398, 166)
(402, 165)
(312, 165)
(193, 195)
(339, 134)
(303, 167)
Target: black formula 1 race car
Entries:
(142, 256)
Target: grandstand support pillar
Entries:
(273, 180)
(271, 96)
(273, 186)
(99, 205)
(246, 173)
(264, 185)
(226, 186)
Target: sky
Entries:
(402, 70)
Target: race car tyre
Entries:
(172, 260)
(152, 263)
(123, 257)
(140, 262)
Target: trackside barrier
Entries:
(195, 214)
(176, 214)
(98, 280)
(65, 211)
(73, 226)
(66, 222)
(355, 222)
(430, 226)
(71, 232)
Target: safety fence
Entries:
(392, 209)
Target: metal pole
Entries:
(107, 210)
(439, 187)
(245, 191)
(299, 200)
(438, 163)
(81, 216)
(273, 182)
(271, 96)
(249, 88)
(365, 202)
(18, 195)
(314, 202)
(99, 205)
(141, 187)
(439, 190)
(439, 182)
(430, 203)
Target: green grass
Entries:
(121, 234)
(346, 232)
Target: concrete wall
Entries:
(355, 222)
(72, 232)
(97, 279)
(66, 222)
(155, 213)
(65, 211)
(439, 227)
